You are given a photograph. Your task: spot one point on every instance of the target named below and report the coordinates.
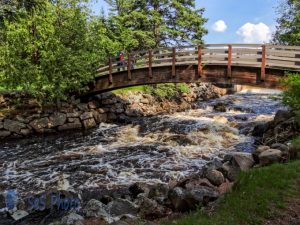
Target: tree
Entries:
(155, 23)
(288, 28)
(54, 51)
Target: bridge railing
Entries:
(251, 55)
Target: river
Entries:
(157, 149)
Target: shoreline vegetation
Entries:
(259, 195)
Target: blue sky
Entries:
(234, 21)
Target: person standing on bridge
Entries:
(121, 61)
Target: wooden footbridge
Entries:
(246, 64)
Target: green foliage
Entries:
(167, 90)
(151, 24)
(256, 196)
(291, 95)
(54, 51)
(288, 29)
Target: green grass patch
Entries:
(167, 90)
(255, 197)
(128, 89)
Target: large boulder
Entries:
(230, 171)
(39, 125)
(57, 119)
(120, 207)
(4, 133)
(185, 200)
(13, 126)
(215, 177)
(150, 209)
(270, 156)
(72, 219)
(244, 161)
(89, 123)
(95, 208)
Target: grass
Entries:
(134, 88)
(168, 90)
(252, 198)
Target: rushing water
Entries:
(156, 149)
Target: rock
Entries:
(1, 125)
(92, 105)
(220, 107)
(150, 209)
(260, 129)
(94, 221)
(112, 116)
(70, 126)
(145, 101)
(225, 187)
(215, 177)
(159, 190)
(195, 183)
(281, 147)
(230, 171)
(138, 188)
(270, 156)
(119, 222)
(13, 126)
(281, 116)
(109, 101)
(82, 106)
(73, 115)
(121, 206)
(100, 117)
(89, 123)
(201, 196)
(259, 150)
(40, 124)
(241, 159)
(95, 208)
(72, 219)
(58, 119)
(177, 197)
(25, 132)
(185, 200)
(4, 133)
(21, 119)
(86, 115)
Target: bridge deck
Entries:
(214, 63)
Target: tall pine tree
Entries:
(155, 23)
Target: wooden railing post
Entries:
(229, 61)
(150, 64)
(129, 66)
(173, 62)
(110, 71)
(199, 61)
(263, 63)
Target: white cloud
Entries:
(255, 33)
(219, 26)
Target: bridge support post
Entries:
(173, 62)
(110, 71)
(150, 64)
(200, 69)
(229, 73)
(263, 63)
(129, 63)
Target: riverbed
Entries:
(158, 149)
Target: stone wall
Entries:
(21, 116)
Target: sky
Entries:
(234, 21)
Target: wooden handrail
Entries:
(254, 55)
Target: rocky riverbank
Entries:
(21, 116)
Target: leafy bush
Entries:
(291, 95)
